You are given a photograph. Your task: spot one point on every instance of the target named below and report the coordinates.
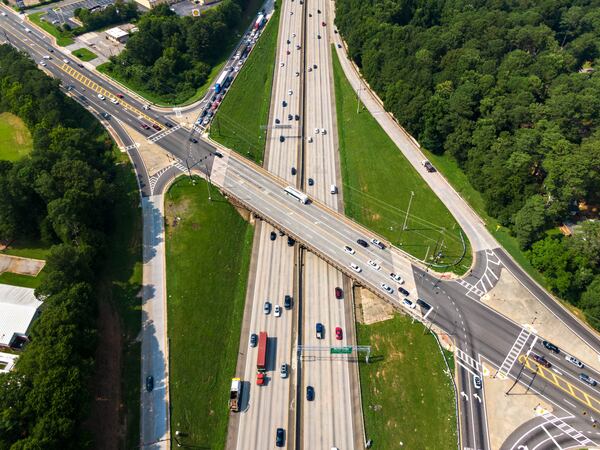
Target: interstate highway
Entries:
(319, 228)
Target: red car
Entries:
(156, 127)
(120, 96)
(339, 293)
(338, 333)
(144, 126)
(323, 23)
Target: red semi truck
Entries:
(261, 359)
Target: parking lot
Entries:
(63, 12)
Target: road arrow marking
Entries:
(477, 397)
(464, 395)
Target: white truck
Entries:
(235, 394)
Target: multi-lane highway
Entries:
(481, 333)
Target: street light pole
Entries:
(412, 194)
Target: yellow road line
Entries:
(561, 383)
(100, 90)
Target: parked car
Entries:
(291, 242)
(423, 304)
(386, 288)
(311, 182)
(320, 330)
(397, 278)
(408, 304)
(403, 291)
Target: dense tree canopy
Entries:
(61, 194)
(507, 88)
(172, 56)
(120, 12)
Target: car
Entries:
(277, 311)
(291, 242)
(428, 166)
(317, 130)
(281, 64)
(339, 45)
(27, 30)
(253, 340)
(43, 63)
(168, 125)
(362, 243)
(318, 36)
(284, 103)
(206, 120)
(323, 23)
(298, 47)
(204, 113)
(218, 154)
(349, 250)
(144, 126)
(314, 66)
(408, 304)
(356, 268)
(320, 329)
(311, 182)
(120, 96)
(423, 304)
(281, 139)
(82, 98)
(293, 171)
(66, 61)
(310, 139)
(339, 293)
(3, 14)
(80, 65)
(318, 11)
(47, 57)
(377, 243)
(290, 92)
(279, 437)
(540, 360)
(477, 382)
(51, 50)
(287, 302)
(277, 121)
(293, 34)
(156, 127)
(386, 288)
(149, 383)
(550, 346)
(574, 361)
(310, 393)
(309, 69)
(397, 278)
(101, 97)
(105, 115)
(267, 307)
(281, 233)
(296, 117)
(146, 107)
(587, 379)
(287, 52)
(273, 235)
(297, 74)
(284, 370)
(403, 291)
(338, 333)
(290, 117)
(373, 264)
(193, 140)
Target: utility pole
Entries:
(412, 194)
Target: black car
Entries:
(288, 41)
(423, 304)
(403, 291)
(194, 140)
(293, 171)
(550, 346)
(204, 113)
(273, 235)
(290, 117)
(362, 243)
(213, 98)
(279, 437)
(253, 340)
(51, 50)
(218, 154)
(287, 302)
(310, 393)
(149, 383)
(296, 117)
(281, 139)
(318, 36)
(284, 103)
(277, 121)
(105, 115)
(168, 125)
(314, 66)
(311, 182)
(291, 242)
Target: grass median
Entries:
(63, 38)
(407, 395)
(84, 54)
(380, 184)
(237, 124)
(208, 248)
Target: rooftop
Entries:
(18, 307)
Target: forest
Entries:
(119, 12)
(61, 195)
(172, 56)
(510, 90)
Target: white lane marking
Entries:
(567, 401)
(515, 350)
(551, 437)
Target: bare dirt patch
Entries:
(370, 308)
(21, 266)
(105, 409)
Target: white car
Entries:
(297, 74)
(574, 361)
(397, 278)
(317, 130)
(310, 139)
(408, 304)
(355, 268)
(101, 97)
(373, 264)
(3, 14)
(146, 107)
(349, 250)
(114, 100)
(43, 63)
(386, 288)
(323, 131)
(277, 311)
(66, 61)
(293, 34)
(377, 243)
(290, 92)
(281, 64)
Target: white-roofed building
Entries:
(18, 309)
(117, 34)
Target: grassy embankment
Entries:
(63, 38)
(233, 37)
(237, 124)
(208, 248)
(407, 396)
(378, 181)
(15, 138)
(84, 54)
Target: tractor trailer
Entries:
(235, 394)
